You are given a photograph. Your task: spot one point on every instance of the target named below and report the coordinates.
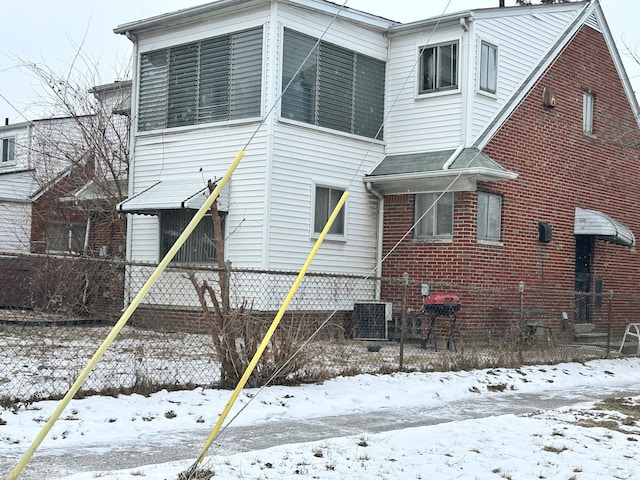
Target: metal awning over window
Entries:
(602, 226)
(172, 194)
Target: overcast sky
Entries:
(50, 33)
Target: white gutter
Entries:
(453, 157)
(380, 232)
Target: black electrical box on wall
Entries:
(544, 232)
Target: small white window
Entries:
(488, 67)
(8, 148)
(489, 216)
(439, 68)
(587, 113)
(434, 215)
(325, 202)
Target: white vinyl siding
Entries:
(522, 41)
(206, 81)
(205, 152)
(15, 235)
(489, 216)
(336, 88)
(434, 215)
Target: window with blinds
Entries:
(212, 80)
(200, 247)
(335, 88)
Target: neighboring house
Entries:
(54, 193)
(520, 122)
(60, 180)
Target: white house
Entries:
(324, 99)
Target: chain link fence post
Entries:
(403, 321)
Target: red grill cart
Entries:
(440, 304)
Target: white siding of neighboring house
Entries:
(15, 233)
(522, 41)
(426, 122)
(16, 185)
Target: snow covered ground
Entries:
(463, 428)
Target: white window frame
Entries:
(178, 89)
(317, 224)
(427, 215)
(588, 101)
(488, 230)
(488, 68)
(336, 89)
(7, 150)
(421, 73)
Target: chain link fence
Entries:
(57, 311)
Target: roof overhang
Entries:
(602, 226)
(96, 192)
(462, 180)
(172, 194)
(437, 171)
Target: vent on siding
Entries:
(592, 21)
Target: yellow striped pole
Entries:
(123, 319)
(267, 338)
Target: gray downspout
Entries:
(380, 228)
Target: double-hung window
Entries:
(8, 147)
(212, 80)
(587, 113)
(200, 247)
(488, 67)
(434, 215)
(439, 67)
(334, 88)
(489, 216)
(63, 237)
(326, 199)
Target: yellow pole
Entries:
(269, 334)
(123, 319)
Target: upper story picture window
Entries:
(488, 67)
(8, 147)
(212, 80)
(587, 113)
(434, 215)
(439, 68)
(335, 88)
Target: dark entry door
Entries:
(584, 245)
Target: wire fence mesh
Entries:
(57, 312)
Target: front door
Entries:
(584, 245)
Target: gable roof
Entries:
(591, 15)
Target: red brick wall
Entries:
(559, 169)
